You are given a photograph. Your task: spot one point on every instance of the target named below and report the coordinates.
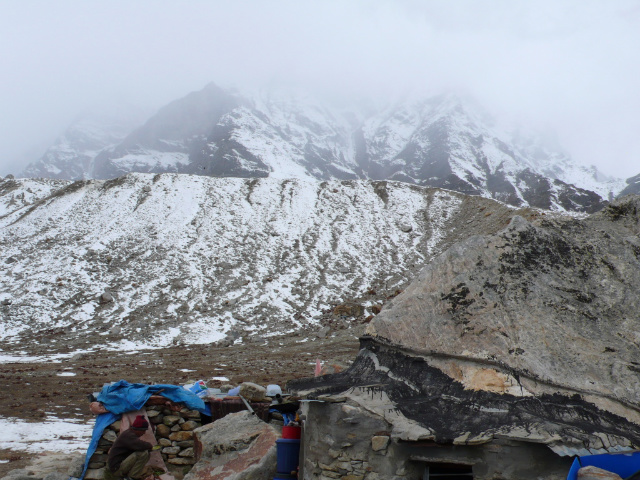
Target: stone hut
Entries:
(509, 355)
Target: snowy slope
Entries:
(188, 259)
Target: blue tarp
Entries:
(624, 464)
(121, 397)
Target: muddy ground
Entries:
(34, 391)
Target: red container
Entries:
(291, 432)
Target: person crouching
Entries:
(128, 454)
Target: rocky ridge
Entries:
(633, 186)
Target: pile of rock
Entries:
(173, 430)
(98, 460)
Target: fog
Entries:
(571, 65)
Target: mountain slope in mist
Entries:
(444, 141)
(72, 154)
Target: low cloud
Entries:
(569, 64)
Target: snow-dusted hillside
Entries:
(444, 141)
(161, 259)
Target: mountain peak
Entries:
(446, 141)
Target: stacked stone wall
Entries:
(173, 431)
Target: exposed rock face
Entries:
(554, 300)
(633, 186)
(529, 334)
(239, 446)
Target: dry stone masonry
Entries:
(173, 431)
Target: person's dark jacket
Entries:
(126, 443)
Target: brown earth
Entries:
(33, 391)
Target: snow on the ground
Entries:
(52, 435)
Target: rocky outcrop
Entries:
(529, 334)
(239, 446)
(633, 186)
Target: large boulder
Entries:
(239, 446)
(529, 334)
(555, 300)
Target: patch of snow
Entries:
(45, 436)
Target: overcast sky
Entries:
(574, 65)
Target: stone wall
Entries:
(344, 441)
(173, 430)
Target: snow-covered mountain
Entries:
(72, 154)
(171, 258)
(444, 141)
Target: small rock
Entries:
(157, 419)
(109, 435)
(181, 436)
(6, 301)
(595, 473)
(171, 450)
(165, 442)
(179, 284)
(379, 442)
(405, 227)
(146, 189)
(187, 452)
(106, 297)
(323, 332)
(189, 425)
(94, 474)
(56, 476)
(163, 431)
(170, 420)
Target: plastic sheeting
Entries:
(121, 397)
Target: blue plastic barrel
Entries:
(288, 452)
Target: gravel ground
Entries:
(34, 391)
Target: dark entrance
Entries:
(447, 471)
